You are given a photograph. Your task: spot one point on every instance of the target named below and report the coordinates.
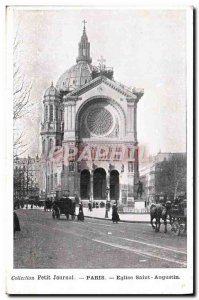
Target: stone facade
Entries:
(26, 178)
(89, 134)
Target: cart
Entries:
(178, 218)
(64, 206)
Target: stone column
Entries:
(108, 184)
(91, 185)
(131, 118)
(69, 118)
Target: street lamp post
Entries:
(107, 202)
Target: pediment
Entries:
(121, 89)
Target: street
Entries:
(47, 243)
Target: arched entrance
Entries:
(99, 184)
(85, 184)
(114, 185)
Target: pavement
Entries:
(47, 243)
(99, 213)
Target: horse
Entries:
(48, 205)
(159, 211)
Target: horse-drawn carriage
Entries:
(64, 206)
(174, 212)
(48, 204)
(178, 217)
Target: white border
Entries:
(98, 287)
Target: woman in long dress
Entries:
(80, 216)
(115, 215)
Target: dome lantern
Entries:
(78, 74)
(84, 47)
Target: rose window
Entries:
(99, 121)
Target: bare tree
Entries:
(21, 98)
(171, 175)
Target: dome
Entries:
(76, 76)
(51, 91)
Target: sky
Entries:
(146, 48)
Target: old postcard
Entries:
(101, 161)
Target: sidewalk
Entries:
(99, 213)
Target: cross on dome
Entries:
(84, 21)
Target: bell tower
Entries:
(51, 128)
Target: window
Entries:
(50, 144)
(130, 167)
(43, 146)
(56, 114)
(61, 115)
(48, 184)
(71, 166)
(51, 113)
(51, 179)
(55, 180)
(46, 113)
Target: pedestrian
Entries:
(16, 223)
(89, 206)
(77, 199)
(115, 215)
(80, 216)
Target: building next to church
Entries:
(26, 178)
(89, 133)
(164, 177)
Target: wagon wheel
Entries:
(183, 228)
(53, 214)
(175, 228)
(58, 213)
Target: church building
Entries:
(89, 134)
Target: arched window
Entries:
(61, 115)
(51, 113)
(43, 146)
(130, 167)
(46, 113)
(56, 114)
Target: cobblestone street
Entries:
(47, 243)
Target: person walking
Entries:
(115, 215)
(80, 216)
(89, 206)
